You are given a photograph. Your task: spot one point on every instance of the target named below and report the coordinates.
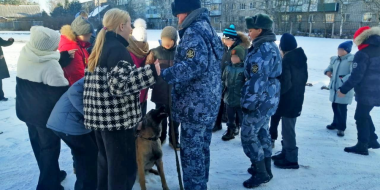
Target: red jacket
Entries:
(75, 70)
(140, 62)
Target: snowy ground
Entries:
(324, 165)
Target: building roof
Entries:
(19, 11)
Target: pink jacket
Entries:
(139, 62)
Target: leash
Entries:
(174, 142)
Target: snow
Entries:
(97, 10)
(324, 164)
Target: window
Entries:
(252, 5)
(367, 17)
(285, 18)
(216, 19)
(226, 7)
(231, 19)
(242, 6)
(346, 17)
(311, 18)
(241, 19)
(330, 18)
(232, 6)
(299, 18)
(329, 1)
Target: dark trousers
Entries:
(165, 126)
(85, 152)
(222, 110)
(46, 148)
(234, 114)
(273, 129)
(340, 116)
(1, 89)
(289, 139)
(364, 123)
(144, 107)
(117, 166)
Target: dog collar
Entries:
(148, 139)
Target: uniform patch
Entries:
(255, 68)
(354, 65)
(190, 53)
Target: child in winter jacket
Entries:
(233, 80)
(339, 71)
(112, 86)
(162, 90)
(67, 122)
(75, 37)
(139, 49)
(40, 83)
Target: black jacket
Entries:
(293, 81)
(4, 73)
(162, 90)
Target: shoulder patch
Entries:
(354, 65)
(190, 53)
(255, 68)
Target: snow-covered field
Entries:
(324, 165)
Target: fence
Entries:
(19, 25)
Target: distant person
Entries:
(4, 73)
(339, 71)
(76, 37)
(365, 79)
(162, 90)
(112, 86)
(293, 82)
(67, 122)
(40, 82)
(139, 49)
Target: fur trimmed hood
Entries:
(366, 34)
(244, 40)
(68, 32)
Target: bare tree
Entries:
(54, 3)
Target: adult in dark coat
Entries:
(293, 81)
(4, 73)
(365, 79)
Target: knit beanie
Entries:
(44, 39)
(185, 6)
(347, 46)
(81, 26)
(259, 21)
(288, 42)
(230, 33)
(239, 51)
(170, 32)
(139, 32)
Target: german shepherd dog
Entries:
(148, 146)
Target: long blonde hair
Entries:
(111, 21)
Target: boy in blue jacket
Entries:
(67, 122)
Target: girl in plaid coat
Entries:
(111, 101)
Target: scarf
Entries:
(140, 49)
(362, 46)
(267, 36)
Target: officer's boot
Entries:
(229, 133)
(359, 148)
(261, 176)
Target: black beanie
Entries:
(185, 6)
(288, 42)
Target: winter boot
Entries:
(261, 176)
(268, 166)
(217, 128)
(331, 127)
(237, 131)
(252, 170)
(279, 156)
(359, 148)
(340, 133)
(3, 99)
(285, 164)
(229, 134)
(62, 175)
(374, 144)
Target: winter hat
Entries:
(44, 39)
(81, 26)
(357, 35)
(288, 42)
(239, 51)
(347, 46)
(139, 32)
(170, 32)
(185, 6)
(230, 33)
(262, 21)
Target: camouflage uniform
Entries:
(196, 94)
(260, 96)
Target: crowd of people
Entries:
(92, 93)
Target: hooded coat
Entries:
(4, 73)
(74, 68)
(293, 82)
(196, 73)
(242, 41)
(365, 76)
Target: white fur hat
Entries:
(139, 32)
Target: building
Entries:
(19, 17)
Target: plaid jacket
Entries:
(111, 92)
